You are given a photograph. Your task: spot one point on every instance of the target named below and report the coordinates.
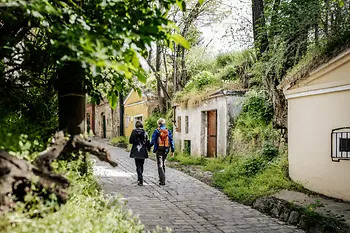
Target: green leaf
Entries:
(179, 4)
(184, 6)
(201, 1)
(113, 99)
(180, 40)
(135, 61)
(138, 90)
(141, 77)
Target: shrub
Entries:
(254, 129)
(246, 179)
(198, 60)
(185, 159)
(228, 73)
(269, 151)
(151, 122)
(86, 205)
(215, 164)
(87, 209)
(121, 139)
(253, 165)
(225, 59)
(257, 110)
(200, 81)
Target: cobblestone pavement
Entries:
(184, 204)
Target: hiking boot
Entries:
(140, 183)
(160, 183)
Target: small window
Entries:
(178, 128)
(340, 144)
(344, 145)
(127, 121)
(138, 118)
(187, 146)
(186, 124)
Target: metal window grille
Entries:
(340, 141)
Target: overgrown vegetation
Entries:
(86, 204)
(223, 72)
(257, 165)
(253, 129)
(186, 159)
(291, 38)
(52, 54)
(245, 178)
(151, 122)
(121, 139)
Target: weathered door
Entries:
(212, 134)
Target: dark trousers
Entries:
(161, 158)
(139, 168)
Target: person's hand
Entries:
(172, 154)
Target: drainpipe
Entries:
(121, 116)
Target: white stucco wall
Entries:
(311, 120)
(226, 107)
(316, 106)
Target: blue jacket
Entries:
(155, 136)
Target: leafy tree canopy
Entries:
(109, 38)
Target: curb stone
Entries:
(296, 215)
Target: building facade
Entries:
(136, 108)
(318, 128)
(102, 120)
(90, 118)
(203, 130)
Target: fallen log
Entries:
(18, 175)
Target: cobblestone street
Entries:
(184, 204)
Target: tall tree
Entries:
(82, 47)
(260, 35)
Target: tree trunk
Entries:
(71, 98)
(162, 107)
(166, 72)
(327, 18)
(274, 18)
(317, 31)
(183, 67)
(121, 116)
(175, 69)
(18, 177)
(260, 36)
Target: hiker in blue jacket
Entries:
(162, 140)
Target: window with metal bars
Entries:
(340, 144)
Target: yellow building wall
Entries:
(132, 111)
(133, 98)
(134, 106)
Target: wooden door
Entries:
(212, 134)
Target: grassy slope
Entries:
(244, 178)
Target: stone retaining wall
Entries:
(299, 216)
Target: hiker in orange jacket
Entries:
(162, 140)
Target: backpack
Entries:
(163, 139)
